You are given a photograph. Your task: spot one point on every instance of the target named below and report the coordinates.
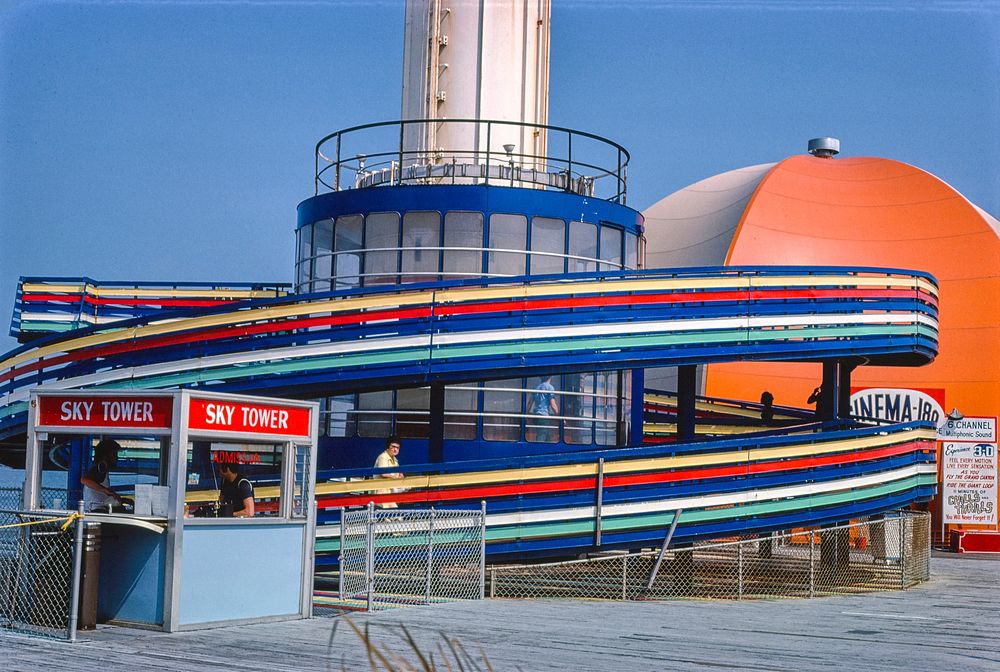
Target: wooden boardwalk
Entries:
(950, 623)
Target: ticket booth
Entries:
(205, 501)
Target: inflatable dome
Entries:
(858, 211)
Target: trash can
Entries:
(90, 572)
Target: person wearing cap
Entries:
(96, 482)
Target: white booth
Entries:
(171, 558)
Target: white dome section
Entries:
(694, 226)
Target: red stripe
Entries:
(773, 466)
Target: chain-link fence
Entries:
(37, 566)
(48, 498)
(394, 557)
(879, 554)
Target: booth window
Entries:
(259, 464)
(301, 483)
(137, 462)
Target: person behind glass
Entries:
(767, 408)
(543, 404)
(236, 493)
(387, 459)
(97, 492)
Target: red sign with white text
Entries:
(225, 415)
(104, 411)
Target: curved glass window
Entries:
(460, 417)
(545, 408)
(323, 249)
(304, 271)
(611, 248)
(548, 246)
(421, 230)
(381, 248)
(463, 230)
(631, 250)
(507, 232)
(347, 245)
(582, 247)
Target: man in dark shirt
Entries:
(236, 493)
(97, 493)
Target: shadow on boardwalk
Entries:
(950, 622)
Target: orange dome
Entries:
(869, 211)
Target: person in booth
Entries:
(236, 493)
(97, 492)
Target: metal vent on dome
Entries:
(824, 147)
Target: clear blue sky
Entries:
(151, 140)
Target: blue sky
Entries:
(173, 140)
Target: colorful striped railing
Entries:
(454, 332)
(548, 505)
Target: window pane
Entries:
(374, 413)
(304, 266)
(348, 237)
(381, 232)
(631, 251)
(548, 235)
(502, 410)
(579, 407)
(258, 464)
(463, 229)
(460, 412)
(607, 408)
(413, 412)
(582, 243)
(507, 232)
(420, 230)
(338, 418)
(323, 236)
(542, 423)
(611, 248)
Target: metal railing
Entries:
(392, 557)
(892, 553)
(380, 154)
(39, 573)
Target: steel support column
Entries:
(435, 444)
(685, 402)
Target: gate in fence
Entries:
(891, 553)
(396, 557)
(39, 573)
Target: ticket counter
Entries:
(206, 501)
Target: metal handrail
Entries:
(395, 157)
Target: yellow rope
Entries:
(69, 521)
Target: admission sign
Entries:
(969, 467)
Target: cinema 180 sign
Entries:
(969, 467)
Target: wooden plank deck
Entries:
(952, 622)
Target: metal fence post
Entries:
(343, 540)
(482, 550)
(624, 577)
(739, 571)
(493, 582)
(904, 539)
(74, 600)
(370, 557)
(812, 564)
(430, 557)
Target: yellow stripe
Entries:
(671, 428)
(625, 466)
